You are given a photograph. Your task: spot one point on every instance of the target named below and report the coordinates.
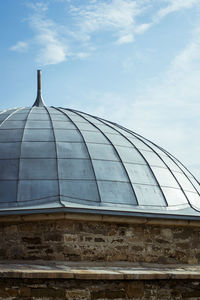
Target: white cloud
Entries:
(52, 49)
(82, 55)
(125, 39)
(48, 42)
(20, 47)
(116, 16)
(51, 53)
(175, 5)
(37, 6)
(142, 28)
(121, 19)
(189, 57)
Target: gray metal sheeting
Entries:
(64, 159)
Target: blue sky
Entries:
(134, 62)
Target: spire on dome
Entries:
(39, 101)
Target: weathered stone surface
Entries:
(99, 290)
(31, 240)
(49, 293)
(135, 289)
(108, 294)
(78, 294)
(12, 292)
(73, 240)
(25, 292)
(97, 271)
(166, 233)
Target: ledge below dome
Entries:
(186, 213)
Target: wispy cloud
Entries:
(49, 44)
(122, 20)
(173, 6)
(116, 16)
(20, 47)
(52, 49)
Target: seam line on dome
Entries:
(138, 149)
(86, 149)
(129, 180)
(141, 139)
(20, 154)
(56, 151)
(182, 170)
(12, 113)
(13, 110)
(172, 157)
(138, 152)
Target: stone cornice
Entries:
(97, 271)
(98, 218)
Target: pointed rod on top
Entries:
(39, 101)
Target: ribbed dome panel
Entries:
(57, 158)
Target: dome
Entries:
(59, 159)
(55, 159)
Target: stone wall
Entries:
(73, 240)
(26, 289)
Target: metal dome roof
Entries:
(57, 159)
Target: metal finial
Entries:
(39, 101)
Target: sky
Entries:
(133, 62)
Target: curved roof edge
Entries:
(60, 202)
(189, 215)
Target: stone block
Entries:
(99, 240)
(49, 293)
(108, 294)
(12, 229)
(135, 289)
(88, 238)
(3, 292)
(112, 232)
(192, 260)
(12, 292)
(77, 294)
(70, 238)
(54, 237)
(182, 234)
(166, 233)
(32, 240)
(25, 292)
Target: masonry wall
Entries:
(73, 240)
(26, 289)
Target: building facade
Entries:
(92, 210)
